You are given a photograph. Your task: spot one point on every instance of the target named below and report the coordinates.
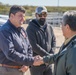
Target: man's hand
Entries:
(24, 68)
(38, 60)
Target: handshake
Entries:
(38, 60)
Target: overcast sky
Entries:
(40, 2)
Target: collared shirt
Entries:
(67, 40)
(15, 48)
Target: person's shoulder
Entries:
(72, 46)
(5, 27)
(33, 27)
(49, 25)
(32, 21)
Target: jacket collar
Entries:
(14, 27)
(38, 25)
(66, 47)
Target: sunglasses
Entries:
(42, 14)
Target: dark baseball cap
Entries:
(40, 9)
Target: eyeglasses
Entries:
(42, 14)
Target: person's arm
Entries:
(7, 47)
(49, 59)
(32, 38)
(53, 43)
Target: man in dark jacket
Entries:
(15, 49)
(65, 60)
(42, 39)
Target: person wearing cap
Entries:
(65, 59)
(42, 39)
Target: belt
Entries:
(9, 66)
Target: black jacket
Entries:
(65, 60)
(41, 38)
(15, 49)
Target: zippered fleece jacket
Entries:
(42, 38)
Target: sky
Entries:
(40, 2)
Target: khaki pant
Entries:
(9, 71)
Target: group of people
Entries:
(34, 48)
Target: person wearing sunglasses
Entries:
(42, 39)
(65, 60)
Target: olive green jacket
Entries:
(65, 60)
